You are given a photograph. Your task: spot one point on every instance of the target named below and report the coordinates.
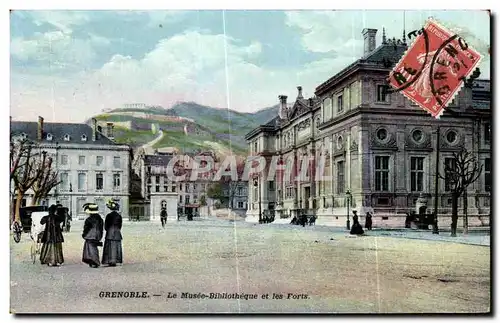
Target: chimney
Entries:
(283, 109)
(109, 130)
(299, 89)
(369, 37)
(311, 102)
(40, 129)
(94, 129)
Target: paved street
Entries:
(322, 270)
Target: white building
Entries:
(92, 168)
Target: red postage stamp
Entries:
(434, 68)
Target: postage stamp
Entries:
(433, 70)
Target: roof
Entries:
(157, 160)
(58, 132)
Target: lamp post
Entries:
(70, 201)
(256, 184)
(348, 198)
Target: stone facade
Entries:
(379, 146)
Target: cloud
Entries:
(340, 31)
(201, 66)
(55, 49)
(62, 20)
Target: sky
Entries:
(69, 65)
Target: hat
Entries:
(112, 205)
(91, 208)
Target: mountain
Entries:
(208, 128)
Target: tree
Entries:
(46, 181)
(25, 170)
(203, 200)
(463, 170)
(215, 191)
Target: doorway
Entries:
(307, 196)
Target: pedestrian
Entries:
(368, 221)
(356, 227)
(92, 233)
(52, 239)
(112, 252)
(163, 216)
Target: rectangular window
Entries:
(64, 159)
(195, 198)
(173, 188)
(271, 185)
(99, 160)
(180, 187)
(187, 199)
(340, 177)
(82, 181)
(157, 180)
(64, 181)
(194, 187)
(255, 147)
(165, 188)
(180, 198)
(340, 104)
(116, 162)
(99, 181)
(487, 175)
(487, 133)
(382, 94)
(382, 173)
(240, 205)
(149, 189)
(157, 188)
(449, 165)
(116, 181)
(240, 191)
(417, 174)
(81, 160)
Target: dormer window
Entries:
(49, 137)
(67, 137)
(84, 138)
(24, 136)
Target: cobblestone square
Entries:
(314, 269)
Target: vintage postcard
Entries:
(250, 161)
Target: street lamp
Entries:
(256, 184)
(70, 201)
(348, 198)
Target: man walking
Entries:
(163, 216)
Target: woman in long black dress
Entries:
(92, 233)
(112, 253)
(52, 239)
(356, 227)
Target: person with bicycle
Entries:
(163, 216)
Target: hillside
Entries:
(208, 128)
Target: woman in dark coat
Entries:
(368, 221)
(52, 239)
(356, 227)
(112, 253)
(92, 233)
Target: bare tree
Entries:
(463, 171)
(24, 171)
(48, 179)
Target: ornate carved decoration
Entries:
(354, 145)
(447, 134)
(412, 138)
